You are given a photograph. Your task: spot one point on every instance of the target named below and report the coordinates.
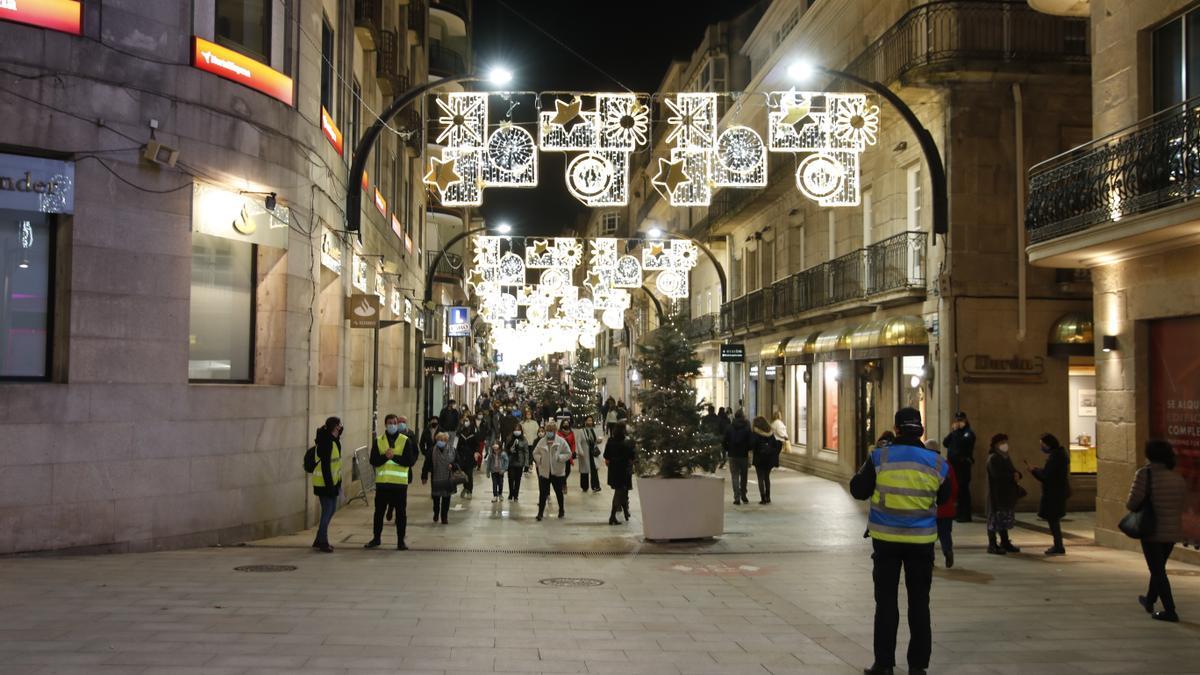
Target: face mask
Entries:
(441, 444)
(393, 429)
(1003, 447)
(517, 434)
(402, 427)
(549, 435)
(1045, 450)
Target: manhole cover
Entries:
(265, 568)
(574, 582)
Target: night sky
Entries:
(634, 41)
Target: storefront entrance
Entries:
(864, 409)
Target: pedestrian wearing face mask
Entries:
(438, 465)
(1002, 494)
(1056, 489)
(393, 456)
(518, 460)
(413, 442)
(568, 435)
(327, 478)
(587, 450)
(551, 454)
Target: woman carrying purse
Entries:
(589, 450)
(1002, 495)
(1165, 490)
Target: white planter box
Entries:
(682, 508)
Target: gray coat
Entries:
(437, 467)
(1168, 494)
(583, 448)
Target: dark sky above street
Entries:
(633, 41)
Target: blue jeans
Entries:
(328, 506)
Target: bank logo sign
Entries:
(36, 184)
(60, 15)
(213, 58)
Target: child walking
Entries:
(497, 465)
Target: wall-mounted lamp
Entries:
(1108, 343)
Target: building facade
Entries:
(176, 297)
(1120, 206)
(849, 313)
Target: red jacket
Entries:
(947, 510)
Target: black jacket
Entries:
(862, 485)
(325, 443)
(960, 446)
(766, 449)
(711, 423)
(1056, 487)
(406, 458)
(737, 439)
(468, 445)
(619, 454)
(448, 419)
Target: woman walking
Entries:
(1056, 488)
(439, 464)
(589, 448)
(1167, 491)
(466, 450)
(765, 450)
(1003, 491)
(565, 432)
(618, 455)
(518, 459)
(779, 428)
(552, 455)
(327, 477)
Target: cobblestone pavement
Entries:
(788, 590)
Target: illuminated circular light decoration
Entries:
(511, 158)
(856, 123)
(459, 379)
(554, 280)
(613, 318)
(672, 284)
(589, 175)
(512, 270)
(625, 122)
(740, 150)
(587, 340)
(628, 272)
(819, 176)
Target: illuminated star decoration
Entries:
(670, 175)
(566, 113)
(540, 247)
(796, 113)
(442, 174)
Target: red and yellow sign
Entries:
(332, 133)
(213, 58)
(407, 242)
(380, 202)
(60, 15)
(365, 181)
(397, 228)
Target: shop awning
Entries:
(897, 336)
(772, 353)
(833, 345)
(800, 349)
(1072, 335)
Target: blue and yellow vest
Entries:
(390, 472)
(904, 506)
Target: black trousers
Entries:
(946, 534)
(497, 484)
(592, 477)
(620, 501)
(469, 469)
(1160, 586)
(441, 507)
(514, 481)
(393, 497)
(544, 485)
(1056, 531)
(962, 471)
(764, 482)
(739, 467)
(917, 561)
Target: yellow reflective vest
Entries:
(390, 472)
(904, 506)
(335, 468)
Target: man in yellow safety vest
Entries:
(905, 483)
(393, 455)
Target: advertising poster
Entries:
(1175, 405)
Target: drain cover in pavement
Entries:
(265, 568)
(574, 582)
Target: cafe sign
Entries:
(982, 368)
(36, 184)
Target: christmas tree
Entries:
(670, 443)
(583, 388)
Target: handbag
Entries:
(1140, 524)
(458, 477)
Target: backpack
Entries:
(310, 460)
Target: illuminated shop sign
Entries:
(60, 15)
(458, 323)
(380, 203)
(332, 133)
(331, 251)
(241, 217)
(365, 180)
(213, 58)
(36, 184)
(396, 228)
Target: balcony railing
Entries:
(387, 62)
(444, 61)
(449, 268)
(1147, 166)
(951, 31)
(416, 18)
(368, 20)
(701, 328)
(895, 264)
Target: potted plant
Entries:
(677, 503)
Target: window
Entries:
(327, 56)
(27, 274)
(799, 404)
(397, 182)
(913, 192)
(829, 394)
(245, 26)
(788, 24)
(1176, 50)
(221, 314)
(610, 222)
(355, 119)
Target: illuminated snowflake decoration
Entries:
(855, 123)
(464, 120)
(693, 120)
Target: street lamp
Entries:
(656, 232)
(497, 76)
(803, 70)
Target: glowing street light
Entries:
(499, 75)
(801, 71)
(503, 228)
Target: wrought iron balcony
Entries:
(893, 265)
(701, 328)
(449, 268)
(417, 13)
(368, 22)
(1150, 165)
(949, 32)
(387, 62)
(459, 7)
(445, 62)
